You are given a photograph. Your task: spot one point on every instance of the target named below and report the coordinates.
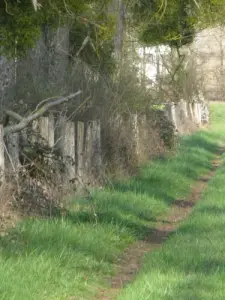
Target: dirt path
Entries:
(130, 263)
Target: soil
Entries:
(130, 263)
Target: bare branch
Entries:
(6, 8)
(196, 3)
(34, 2)
(44, 101)
(12, 114)
(177, 68)
(24, 122)
(36, 5)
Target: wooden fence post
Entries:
(2, 158)
(143, 127)
(199, 113)
(46, 130)
(80, 149)
(43, 133)
(96, 147)
(135, 135)
(13, 149)
(183, 107)
(190, 111)
(70, 149)
(196, 113)
(67, 146)
(181, 115)
(35, 130)
(88, 148)
(172, 114)
(143, 137)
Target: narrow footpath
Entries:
(130, 263)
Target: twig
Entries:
(44, 101)
(6, 8)
(36, 5)
(196, 3)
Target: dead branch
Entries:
(43, 102)
(24, 122)
(34, 2)
(12, 114)
(36, 5)
(182, 57)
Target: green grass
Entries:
(191, 264)
(70, 256)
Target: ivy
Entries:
(172, 24)
(21, 26)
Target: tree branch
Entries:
(177, 68)
(12, 114)
(36, 5)
(24, 122)
(34, 2)
(196, 3)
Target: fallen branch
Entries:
(24, 122)
(12, 114)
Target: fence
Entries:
(195, 113)
(79, 143)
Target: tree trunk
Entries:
(120, 11)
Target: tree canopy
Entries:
(174, 22)
(164, 23)
(171, 22)
(89, 20)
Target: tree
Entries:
(210, 13)
(164, 22)
(21, 26)
(174, 22)
(91, 31)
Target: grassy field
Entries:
(191, 265)
(69, 256)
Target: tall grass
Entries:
(69, 256)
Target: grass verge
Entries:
(191, 263)
(68, 257)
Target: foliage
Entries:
(166, 128)
(211, 13)
(20, 26)
(97, 52)
(158, 107)
(172, 23)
